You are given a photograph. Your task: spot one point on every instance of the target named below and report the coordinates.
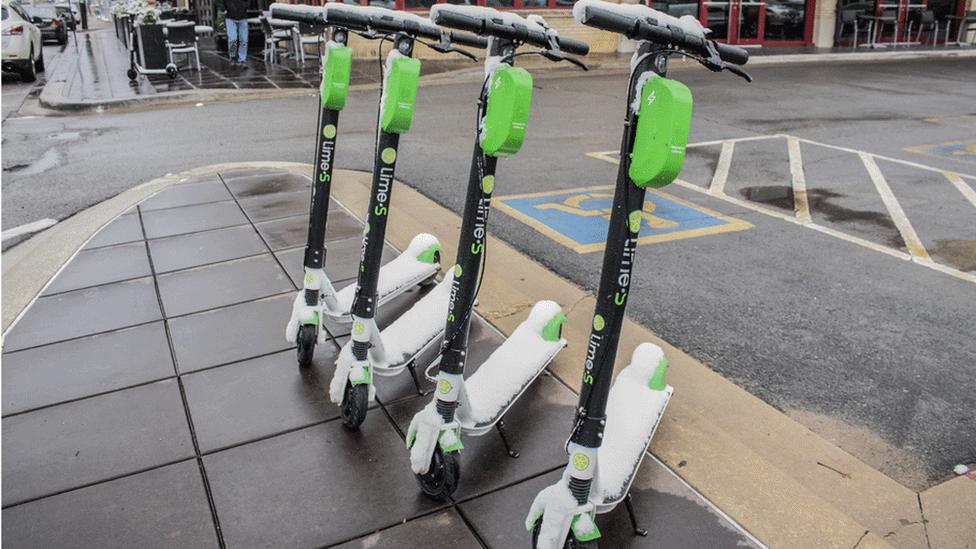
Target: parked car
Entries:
(46, 17)
(67, 14)
(22, 51)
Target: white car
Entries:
(22, 52)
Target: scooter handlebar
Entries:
(505, 25)
(651, 29)
(311, 15)
(414, 25)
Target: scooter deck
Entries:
(508, 372)
(634, 411)
(396, 277)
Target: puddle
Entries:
(777, 196)
(961, 254)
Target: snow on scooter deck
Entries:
(511, 368)
(634, 411)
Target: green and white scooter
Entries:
(370, 351)
(477, 404)
(318, 298)
(614, 425)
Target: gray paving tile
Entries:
(222, 284)
(260, 397)
(314, 487)
(341, 260)
(85, 312)
(185, 194)
(274, 206)
(124, 229)
(262, 181)
(165, 507)
(82, 367)
(536, 425)
(191, 219)
(192, 250)
(101, 266)
(673, 514)
(441, 529)
(231, 334)
(73, 444)
(293, 231)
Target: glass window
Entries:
(462, 2)
(785, 20)
(500, 3)
(534, 3)
(5, 14)
(418, 4)
(676, 8)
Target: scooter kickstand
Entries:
(413, 375)
(500, 426)
(638, 531)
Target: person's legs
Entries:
(232, 39)
(242, 40)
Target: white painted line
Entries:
(885, 158)
(908, 234)
(717, 186)
(733, 140)
(800, 203)
(963, 187)
(28, 228)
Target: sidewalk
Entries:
(209, 434)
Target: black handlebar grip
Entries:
(732, 54)
(298, 13)
(575, 47)
(469, 40)
(459, 21)
(348, 19)
(610, 21)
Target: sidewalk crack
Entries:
(925, 522)
(839, 472)
(860, 539)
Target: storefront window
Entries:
(676, 8)
(418, 4)
(785, 20)
(500, 3)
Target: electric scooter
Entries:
(475, 405)
(396, 348)
(614, 426)
(318, 299)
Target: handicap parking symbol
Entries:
(579, 218)
(955, 150)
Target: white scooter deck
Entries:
(509, 371)
(634, 411)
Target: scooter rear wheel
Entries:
(355, 404)
(306, 345)
(441, 479)
(571, 541)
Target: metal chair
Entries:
(849, 18)
(181, 38)
(926, 23)
(310, 34)
(271, 39)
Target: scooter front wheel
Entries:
(132, 74)
(355, 403)
(571, 541)
(306, 345)
(441, 479)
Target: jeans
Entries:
(237, 38)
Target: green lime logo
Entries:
(358, 328)
(388, 155)
(635, 221)
(309, 279)
(457, 271)
(444, 386)
(598, 323)
(581, 462)
(488, 183)
(329, 131)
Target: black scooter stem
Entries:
(325, 145)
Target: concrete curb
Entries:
(52, 94)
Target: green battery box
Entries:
(335, 78)
(509, 99)
(399, 94)
(663, 120)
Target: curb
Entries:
(51, 95)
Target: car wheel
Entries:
(39, 64)
(30, 71)
(63, 39)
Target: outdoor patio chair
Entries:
(271, 39)
(310, 34)
(889, 17)
(849, 19)
(181, 38)
(925, 22)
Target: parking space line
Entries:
(908, 234)
(717, 186)
(885, 158)
(963, 187)
(800, 203)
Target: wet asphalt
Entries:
(871, 351)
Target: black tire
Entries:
(39, 64)
(355, 404)
(306, 345)
(571, 541)
(132, 74)
(29, 74)
(63, 39)
(441, 480)
(432, 278)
